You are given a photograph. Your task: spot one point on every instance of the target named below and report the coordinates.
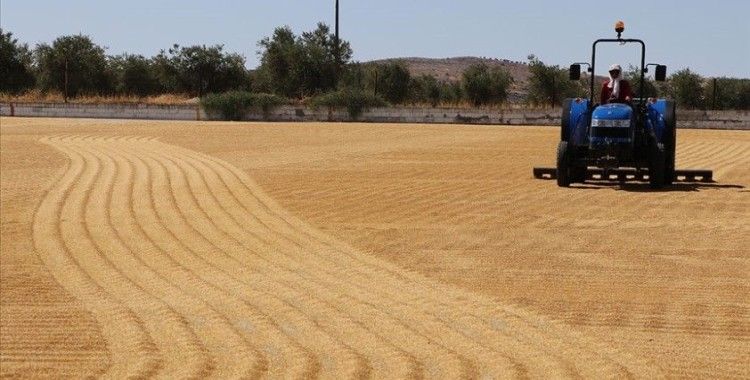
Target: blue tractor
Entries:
(624, 141)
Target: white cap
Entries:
(615, 67)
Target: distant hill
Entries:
(451, 69)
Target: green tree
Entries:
(727, 93)
(425, 89)
(322, 66)
(82, 60)
(452, 93)
(743, 95)
(15, 65)
(134, 74)
(633, 75)
(549, 84)
(352, 76)
(686, 88)
(298, 66)
(390, 80)
(484, 85)
(280, 70)
(200, 70)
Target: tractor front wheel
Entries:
(657, 167)
(563, 164)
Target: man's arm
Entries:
(627, 92)
(604, 97)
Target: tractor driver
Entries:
(616, 89)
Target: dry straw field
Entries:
(191, 249)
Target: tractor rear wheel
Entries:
(563, 164)
(657, 167)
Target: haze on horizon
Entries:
(712, 39)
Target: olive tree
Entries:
(15, 65)
(484, 85)
(73, 65)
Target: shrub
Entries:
(233, 105)
(391, 80)
(483, 85)
(356, 102)
(425, 89)
(549, 84)
(686, 88)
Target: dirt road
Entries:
(168, 249)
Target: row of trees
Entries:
(75, 65)
(306, 65)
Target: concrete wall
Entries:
(416, 115)
(686, 119)
(714, 119)
(104, 111)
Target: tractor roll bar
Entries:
(623, 41)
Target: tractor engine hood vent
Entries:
(613, 111)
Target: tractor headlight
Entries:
(621, 123)
(625, 123)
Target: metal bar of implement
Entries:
(629, 174)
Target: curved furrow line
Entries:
(154, 209)
(168, 330)
(728, 159)
(409, 196)
(695, 149)
(106, 238)
(456, 195)
(294, 273)
(429, 353)
(418, 206)
(705, 153)
(132, 351)
(292, 278)
(241, 246)
(689, 150)
(236, 354)
(334, 357)
(364, 295)
(411, 200)
(416, 282)
(550, 217)
(232, 354)
(698, 154)
(107, 241)
(540, 212)
(399, 196)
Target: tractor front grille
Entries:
(610, 132)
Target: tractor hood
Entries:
(613, 111)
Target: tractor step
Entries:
(629, 174)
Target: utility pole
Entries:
(65, 95)
(554, 90)
(337, 25)
(337, 48)
(713, 103)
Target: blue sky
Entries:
(710, 37)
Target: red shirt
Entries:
(625, 92)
